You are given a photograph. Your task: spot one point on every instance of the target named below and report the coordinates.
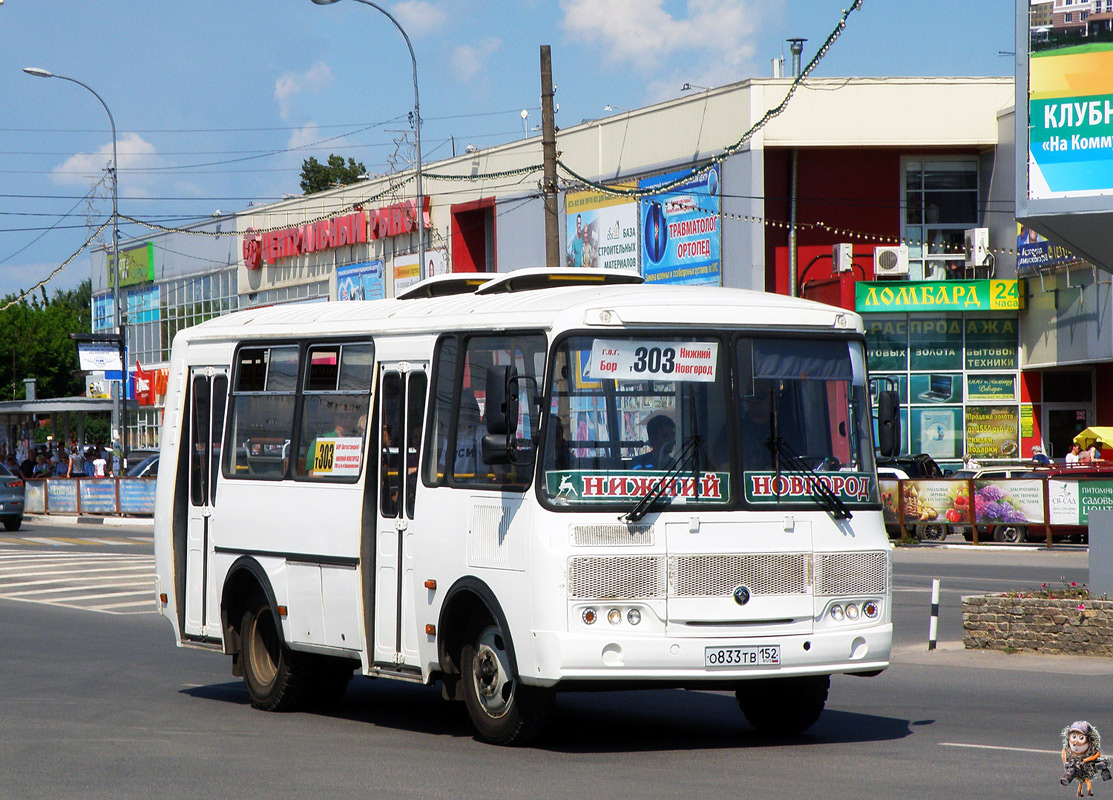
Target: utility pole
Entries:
(548, 149)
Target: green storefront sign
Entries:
(990, 387)
(138, 265)
(871, 297)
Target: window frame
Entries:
(299, 392)
(463, 338)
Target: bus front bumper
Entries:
(591, 657)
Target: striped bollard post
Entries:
(933, 627)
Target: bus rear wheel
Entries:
(784, 706)
(502, 710)
(272, 672)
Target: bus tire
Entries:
(502, 710)
(275, 676)
(784, 706)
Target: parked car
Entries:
(1010, 533)
(921, 466)
(147, 468)
(11, 498)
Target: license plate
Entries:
(761, 655)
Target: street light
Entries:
(120, 405)
(417, 134)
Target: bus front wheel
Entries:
(784, 705)
(502, 710)
(272, 672)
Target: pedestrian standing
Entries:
(77, 464)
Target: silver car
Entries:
(11, 498)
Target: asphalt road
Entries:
(102, 705)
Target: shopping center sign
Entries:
(978, 295)
(324, 234)
(341, 231)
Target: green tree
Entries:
(317, 177)
(35, 342)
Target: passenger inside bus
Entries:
(661, 431)
(469, 438)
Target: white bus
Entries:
(548, 480)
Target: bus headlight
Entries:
(633, 616)
(851, 611)
(836, 613)
(614, 616)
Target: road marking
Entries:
(65, 541)
(998, 747)
(80, 580)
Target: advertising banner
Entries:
(61, 495)
(360, 281)
(34, 497)
(935, 502)
(98, 495)
(1003, 502)
(137, 265)
(992, 342)
(991, 431)
(602, 230)
(887, 343)
(1070, 117)
(1034, 252)
(680, 235)
(1070, 502)
(137, 496)
(991, 387)
(936, 431)
(935, 343)
(407, 273)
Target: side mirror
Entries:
(501, 408)
(888, 423)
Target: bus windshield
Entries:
(707, 421)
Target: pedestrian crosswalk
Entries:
(67, 541)
(112, 583)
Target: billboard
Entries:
(602, 230)
(360, 281)
(1070, 115)
(680, 235)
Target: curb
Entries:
(955, 654)
(118, 522)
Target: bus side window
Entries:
(443, 405)
(261, 421)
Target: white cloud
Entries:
(135, 154)
(419, 17)
(467, 60)
(643, 33)
(291, 84)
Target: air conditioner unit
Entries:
(890, 261)
(842, 257)
(977, 246)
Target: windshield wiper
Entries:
(676, 466)
(822, 493)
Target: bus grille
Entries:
(719, 575)
(850, 573)
(611, 535)
(625, 577)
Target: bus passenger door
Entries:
(401, 398)
(208, 392)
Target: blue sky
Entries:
(218, 103)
